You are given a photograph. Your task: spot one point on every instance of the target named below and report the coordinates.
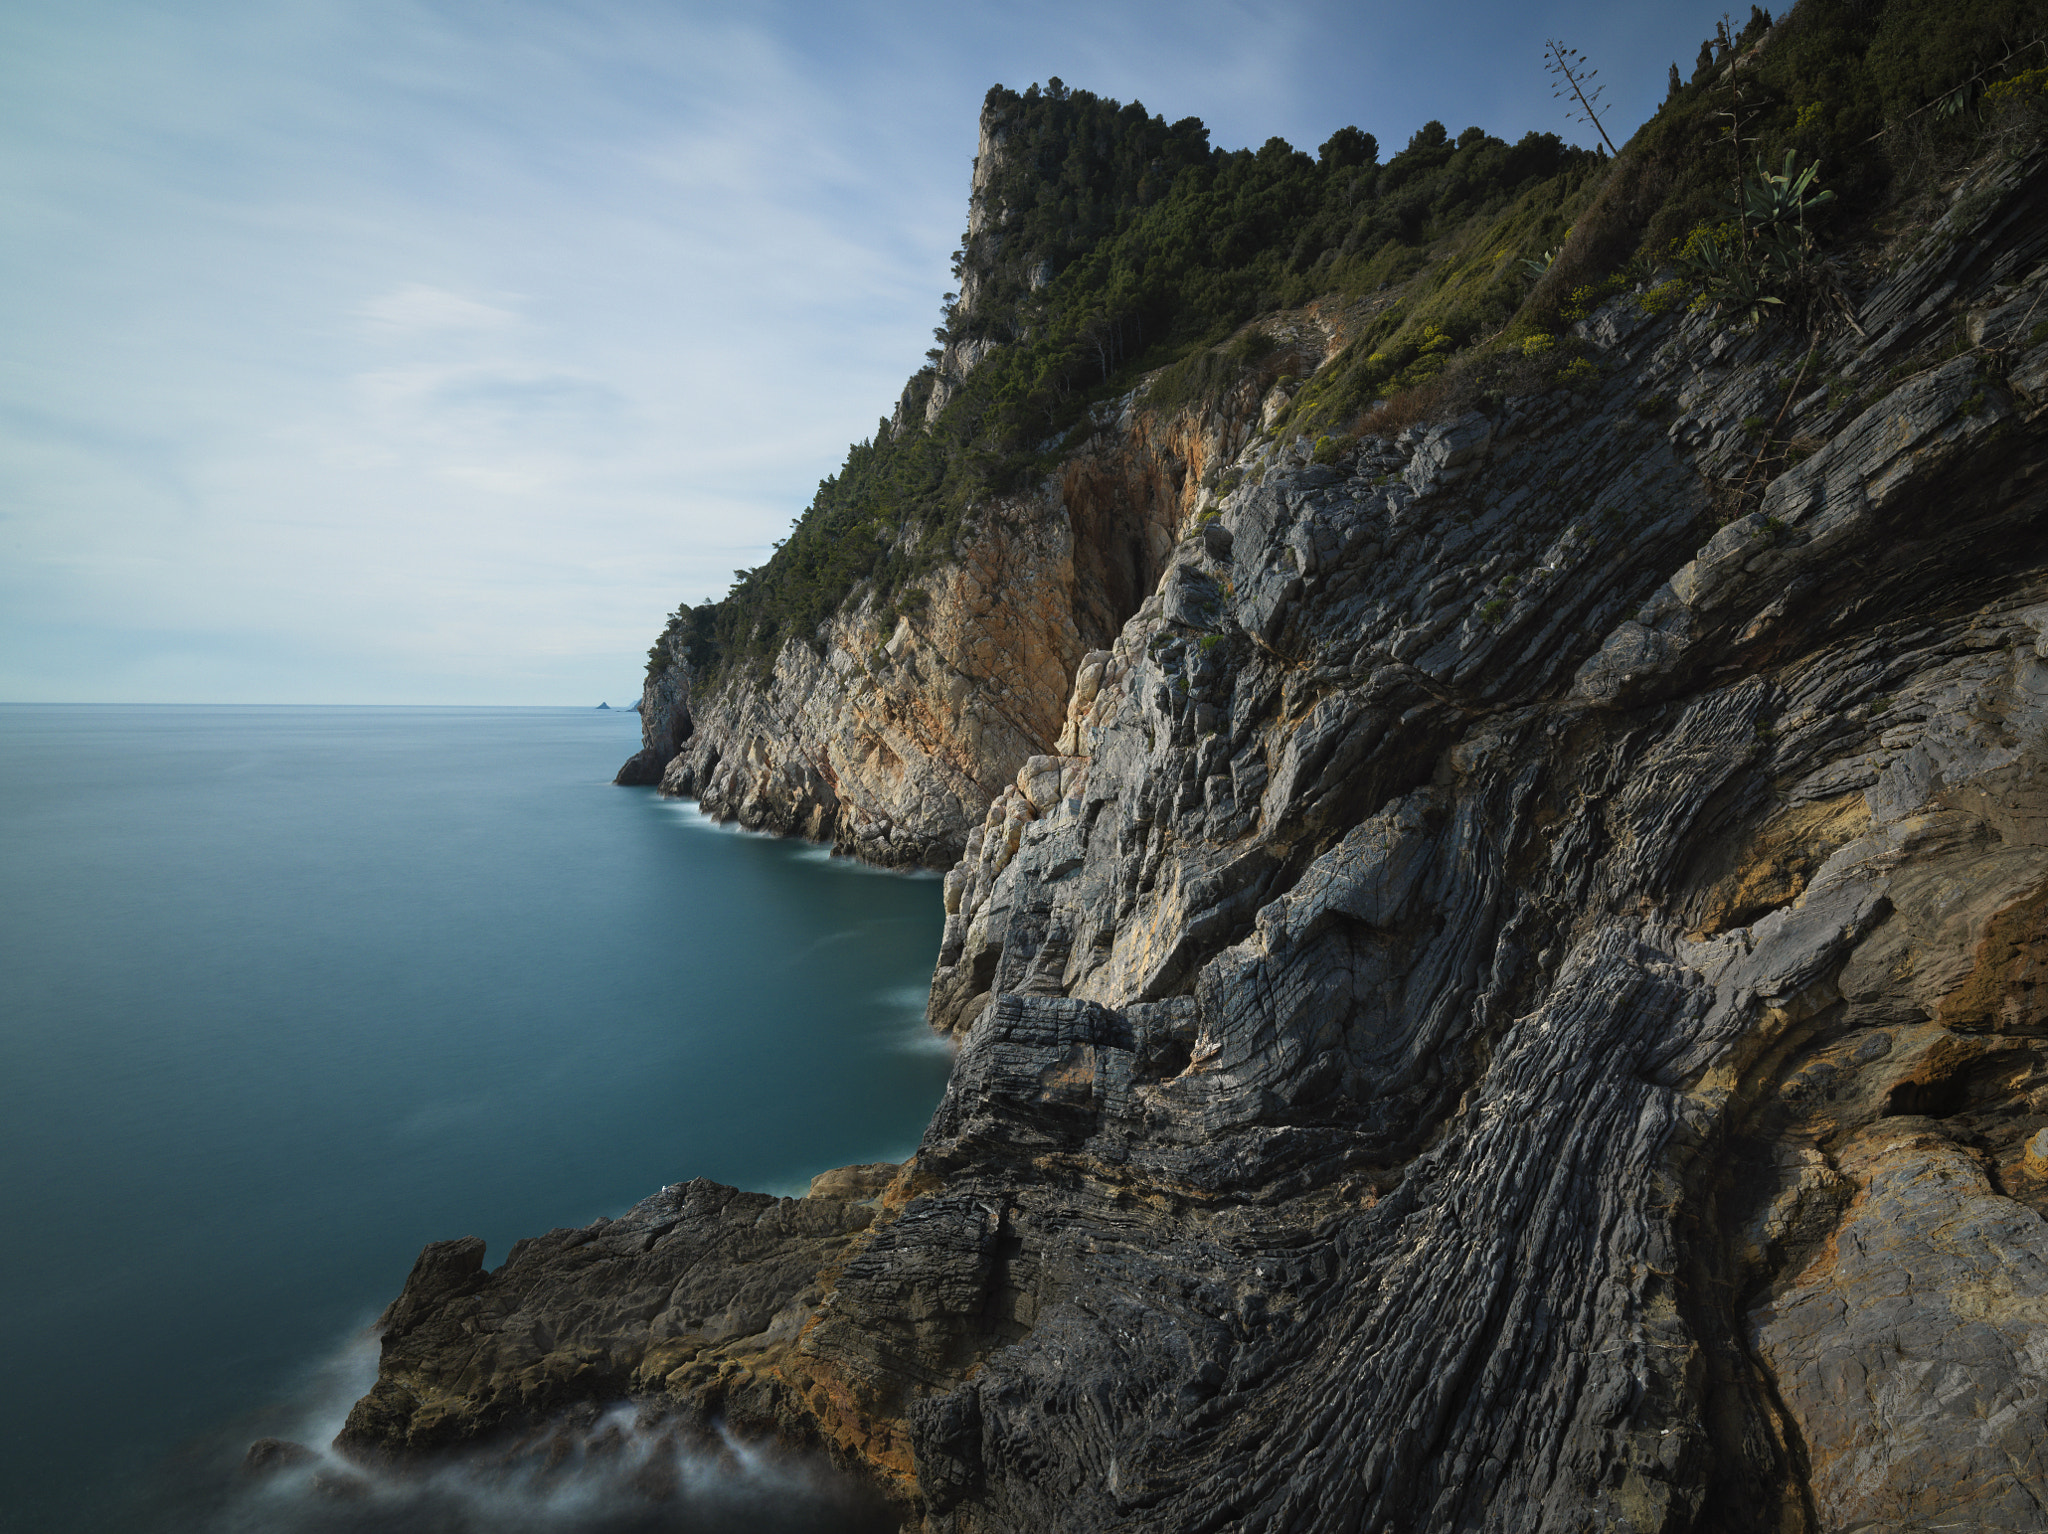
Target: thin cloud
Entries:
(433, 350)
(415, 308)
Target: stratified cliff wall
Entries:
(892, 742)
(1506, 996)
(887, 729)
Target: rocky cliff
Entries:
(1494, 963)
(665, 722)
(888, 727)
(1504, 996)
(891, 734)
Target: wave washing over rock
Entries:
(616, 1469)
(1503, 996)
(592, 1469)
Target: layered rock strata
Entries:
(1506, 998)
(890, 741)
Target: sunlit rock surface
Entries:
(890, 738)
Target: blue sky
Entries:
(412, 352)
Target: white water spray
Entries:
(622, 1470)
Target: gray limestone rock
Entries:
(1517, 1000)
(1449, 452)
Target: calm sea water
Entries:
(286, 993)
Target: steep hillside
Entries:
(1508, 999)
(913, 641)
(890, 733)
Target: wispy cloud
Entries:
(431, 350)
(416, 308)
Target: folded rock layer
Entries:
(1503, 996)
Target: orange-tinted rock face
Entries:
(893, 742)
(1911, 1350)
(2005, 988)
(890, 743)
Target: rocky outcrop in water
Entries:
(698, 1284)
(1506, 996)
(665, 722)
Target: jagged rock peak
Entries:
(988, 148)
(1052, 167)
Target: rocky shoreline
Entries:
(1504, 995)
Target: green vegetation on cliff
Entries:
(1113, 244)
(1109, 244)
(1875, 95)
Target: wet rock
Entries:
(339, 1486)
(269, 1455)
(686, 1284)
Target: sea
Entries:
(288, 992)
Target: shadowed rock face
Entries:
(665, 723)
(1511, 1002)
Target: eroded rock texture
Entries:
(1506, 998)
(698, 1286)
(889, 741)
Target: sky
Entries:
(433, 351)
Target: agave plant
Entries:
(1744, 267)
(1956, 102)
(1742, 296)
(1710, 255)
(1730, 284)
(1773, 207)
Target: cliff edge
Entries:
(1505, 1001)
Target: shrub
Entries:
(1588, 296)
(2031, 85)
(1250, 347)
(1664, 297)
